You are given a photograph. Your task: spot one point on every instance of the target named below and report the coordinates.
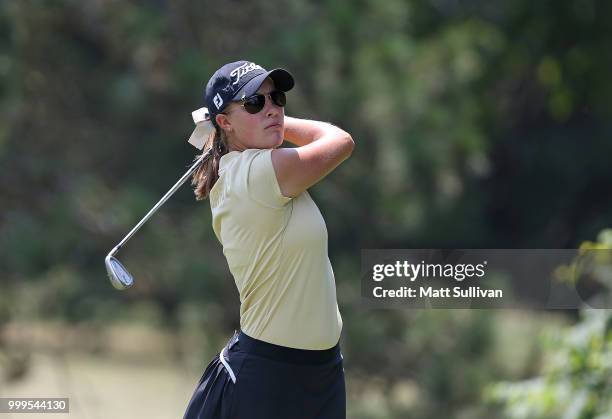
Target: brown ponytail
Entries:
(207, 174)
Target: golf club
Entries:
(118, 275)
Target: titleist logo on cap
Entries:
(244, 69)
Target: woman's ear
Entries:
(223, 122)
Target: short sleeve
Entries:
(262, 184)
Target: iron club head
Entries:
(118, 275)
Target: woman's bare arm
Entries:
(321, 148)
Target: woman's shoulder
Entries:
(237, 158)
(251, 153)
(236, 168)
(250, 175)
(244, 161)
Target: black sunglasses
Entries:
(256, 103)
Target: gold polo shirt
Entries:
(276, 250)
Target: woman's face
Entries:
(263, 129)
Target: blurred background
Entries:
(477, 124)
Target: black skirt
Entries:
(258, 380)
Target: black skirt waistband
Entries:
(283, 353)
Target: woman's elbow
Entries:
(349, 145)
(343, 143)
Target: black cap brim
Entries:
(283, 80)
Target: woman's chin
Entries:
(277, 140)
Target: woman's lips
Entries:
(277, 125)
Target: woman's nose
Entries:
(272, 108)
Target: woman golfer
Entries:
(285, 363)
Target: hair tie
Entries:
(203, 129)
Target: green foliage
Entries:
(576, 380)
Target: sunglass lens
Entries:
(254, 103)
(278, 98)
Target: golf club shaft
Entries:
(160, 203)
